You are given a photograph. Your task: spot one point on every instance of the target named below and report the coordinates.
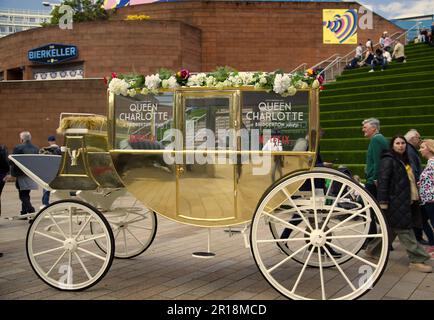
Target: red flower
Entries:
(114, 75)
(183, 74)
(105, 80)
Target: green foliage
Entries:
(84, 10)
(222, 73)
(164, 73)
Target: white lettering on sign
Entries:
(144, 111)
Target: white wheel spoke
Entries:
(82, 228)
(82, 265)
(353, 255)
(315, 215)
(333, 206)
(351, 227)
(287, 224)
(340, 269)
(58, 227)
(348, 219)
(117, 234)
(70, 221)
(281, 240)
(92, 254)
(302, 271)
(135, 220)
(296, 208)
(135, 237)
(91, 239)
(55, 263)
(286, 259)
(47, 251)
(352, 236)
(125, 241)
(49, 237)
(321, 275)
(138, 227)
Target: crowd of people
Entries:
(405, 192)
(386, 52)
(426, 35)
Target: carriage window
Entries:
(207, 121)
(285, 118)
(143, 122)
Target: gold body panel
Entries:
(206, 195)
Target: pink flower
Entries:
(114, 75)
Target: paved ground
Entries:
(168, 271)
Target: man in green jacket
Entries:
(378, 143)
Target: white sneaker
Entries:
(371, 70)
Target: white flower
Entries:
(131, 92)
(197, 80)
(246, 78)
(315, 84)
(281, 83)
(291, 91)
(235, 80)
(144, 91)
(172, 82)
(262, 80)
(153, 81)
(119, 86)
(169, 83)
(210, 81)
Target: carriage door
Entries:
(205, 180)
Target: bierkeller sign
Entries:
(53, 53)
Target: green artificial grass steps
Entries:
(382, 79)
(348, 156)
(380, 103)
(376, 112)
(387, 72)
(393, 65)
(345, 144)
(378, 95)
(402, 98)
(425, 129)
(383, 120)
(375, 88)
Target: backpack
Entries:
(4, 163)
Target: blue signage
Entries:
(53, 53)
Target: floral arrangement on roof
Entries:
(285, 84)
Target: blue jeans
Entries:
(382, 63)
(45, 197)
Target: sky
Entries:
(386, 8)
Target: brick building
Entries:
(197, 35)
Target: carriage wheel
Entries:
(134, 231)
(347, 201)
(61, 248)
(320, 228)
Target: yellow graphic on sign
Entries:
(340, 26)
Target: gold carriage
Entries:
(210, 158)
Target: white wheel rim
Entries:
(61, 248)
(133, 231)
(351, 279)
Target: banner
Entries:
(340, 26)
(111, 4)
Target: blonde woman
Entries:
(426, 183)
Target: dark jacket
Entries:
(25, 148)
(413, 156)
(4, 162)
(394, 190)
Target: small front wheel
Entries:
(61, 247)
